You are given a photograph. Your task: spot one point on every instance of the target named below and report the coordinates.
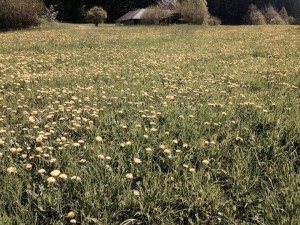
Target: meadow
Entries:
(150, 125)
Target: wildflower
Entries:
(55, 173)
(205, 162)
(11, 170)
(149, 149)
(101, 156)
(71, 214)
(192, 170)
(77, 178)
(136, 193)
(99, 139)
(137, 160)
(28, 166)
(41, 171)
(129, 175)
(63, 176)
(51, 180)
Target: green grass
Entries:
(226, 96)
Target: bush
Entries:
(214, 21)
(50, 14)
(96, 15)
(255, 16)
(194, 11)
(16, 14)
(153, 15)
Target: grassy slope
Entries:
(229, 95)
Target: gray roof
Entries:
(132, 15)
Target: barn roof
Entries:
(135, 14)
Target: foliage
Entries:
(20, 13)
(96, 15)
(285, 17)
(82, 13)
(214, 21)
(152, 125)
(193, 11)
(272, 15)
(153, 15)
(255, 16)
(50, 14)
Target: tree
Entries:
(255, 16)
(96, 15)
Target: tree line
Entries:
(228, 11)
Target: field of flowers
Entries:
(150, 125)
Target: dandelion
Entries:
(192, 170)
(129, 176)
(149, 149)
(51, 180)
(99, 139)
(137, 160)
(11, 170)
(63, 176)
(185, 145)
(41, 171)
(136, 193)
(101, 156)
(162, 147)
(55, 173)
(71, 214)
(28, 166)
(77, 178)
(205, 162)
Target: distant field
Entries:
(150, 125)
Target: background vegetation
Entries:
(229, 11)
(150, 125)
(19, 14)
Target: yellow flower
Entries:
(71, 214)
(42, 171)
(99, 139)
(205, 162)
(51, 180)
(12, 170)
(55, 173)
(63, 176)
(136, 193)
(137, 160)
(129, 175)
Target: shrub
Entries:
(20, 13)
(194, 11)
(153, 15)
(214, 21)
(50, 14)
(96, 15)
(255, 16)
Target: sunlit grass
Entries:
(150, 125)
